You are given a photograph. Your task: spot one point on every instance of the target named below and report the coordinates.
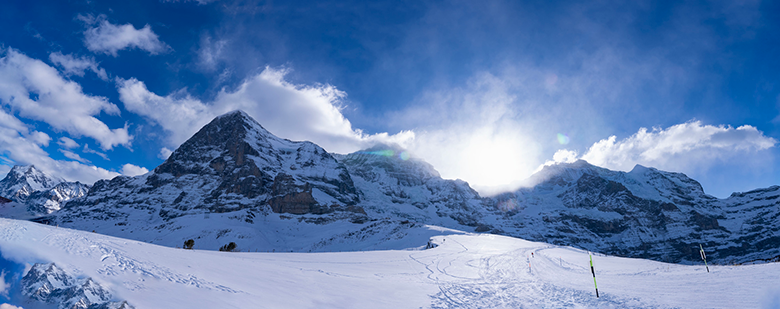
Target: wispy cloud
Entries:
(105, 37)
(67, 143)
(72, 65)
(86, 149)
(74, 156)
(4, 286)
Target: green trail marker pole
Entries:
(703, 257)
(592, 271)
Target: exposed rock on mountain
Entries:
(644, 213)
(230, 176)
(41, 193)
(393, 183)
(49, 284)
(23, 181)
(231, 164)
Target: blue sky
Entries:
(485, 91)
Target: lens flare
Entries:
(563, 139)
(403, 155)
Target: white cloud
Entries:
(4, 286)
(39, 92)
(210, 52)
(296, 112)
(86, 149)
(679, 147)
(164, 153)
(67, 143)
(73, 156)
(40, 138)
(72, 65)
(9, 306)
(133, 170)
(563, 156)
(105, 37)
(16, 147)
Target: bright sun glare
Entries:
(494, 161)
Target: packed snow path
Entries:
(463, 271)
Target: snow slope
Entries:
(463, 271)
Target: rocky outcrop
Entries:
(39, 192)
(49, 284)
(644, 213)
(394, 183)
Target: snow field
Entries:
(463, 271)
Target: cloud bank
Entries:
(296, 112)
(680, 147)
(39, 92)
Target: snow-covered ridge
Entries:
(47, 283)
(644, 213)
(42, 194)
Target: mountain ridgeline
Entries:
(233, 181)
(37, 193)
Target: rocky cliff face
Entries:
(392, 183)
(644, 213)
(49, 284)
(229, 165)
(41, 193)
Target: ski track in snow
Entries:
(505, 281)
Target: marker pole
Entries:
(703, 257)
(594, 276)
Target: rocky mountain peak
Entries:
(24, 180)
(233, 164)
(37, 179)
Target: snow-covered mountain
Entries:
(48, 284)
(392, 183)
(42, 194)
(233, 181)
(643, 213)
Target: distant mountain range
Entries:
(38, 193)
(233, 181)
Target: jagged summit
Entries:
(35, 178)
(231, 164)
(24, 180)
(41, 193)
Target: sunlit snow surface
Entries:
(464, 271)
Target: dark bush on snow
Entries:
(229, 247)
